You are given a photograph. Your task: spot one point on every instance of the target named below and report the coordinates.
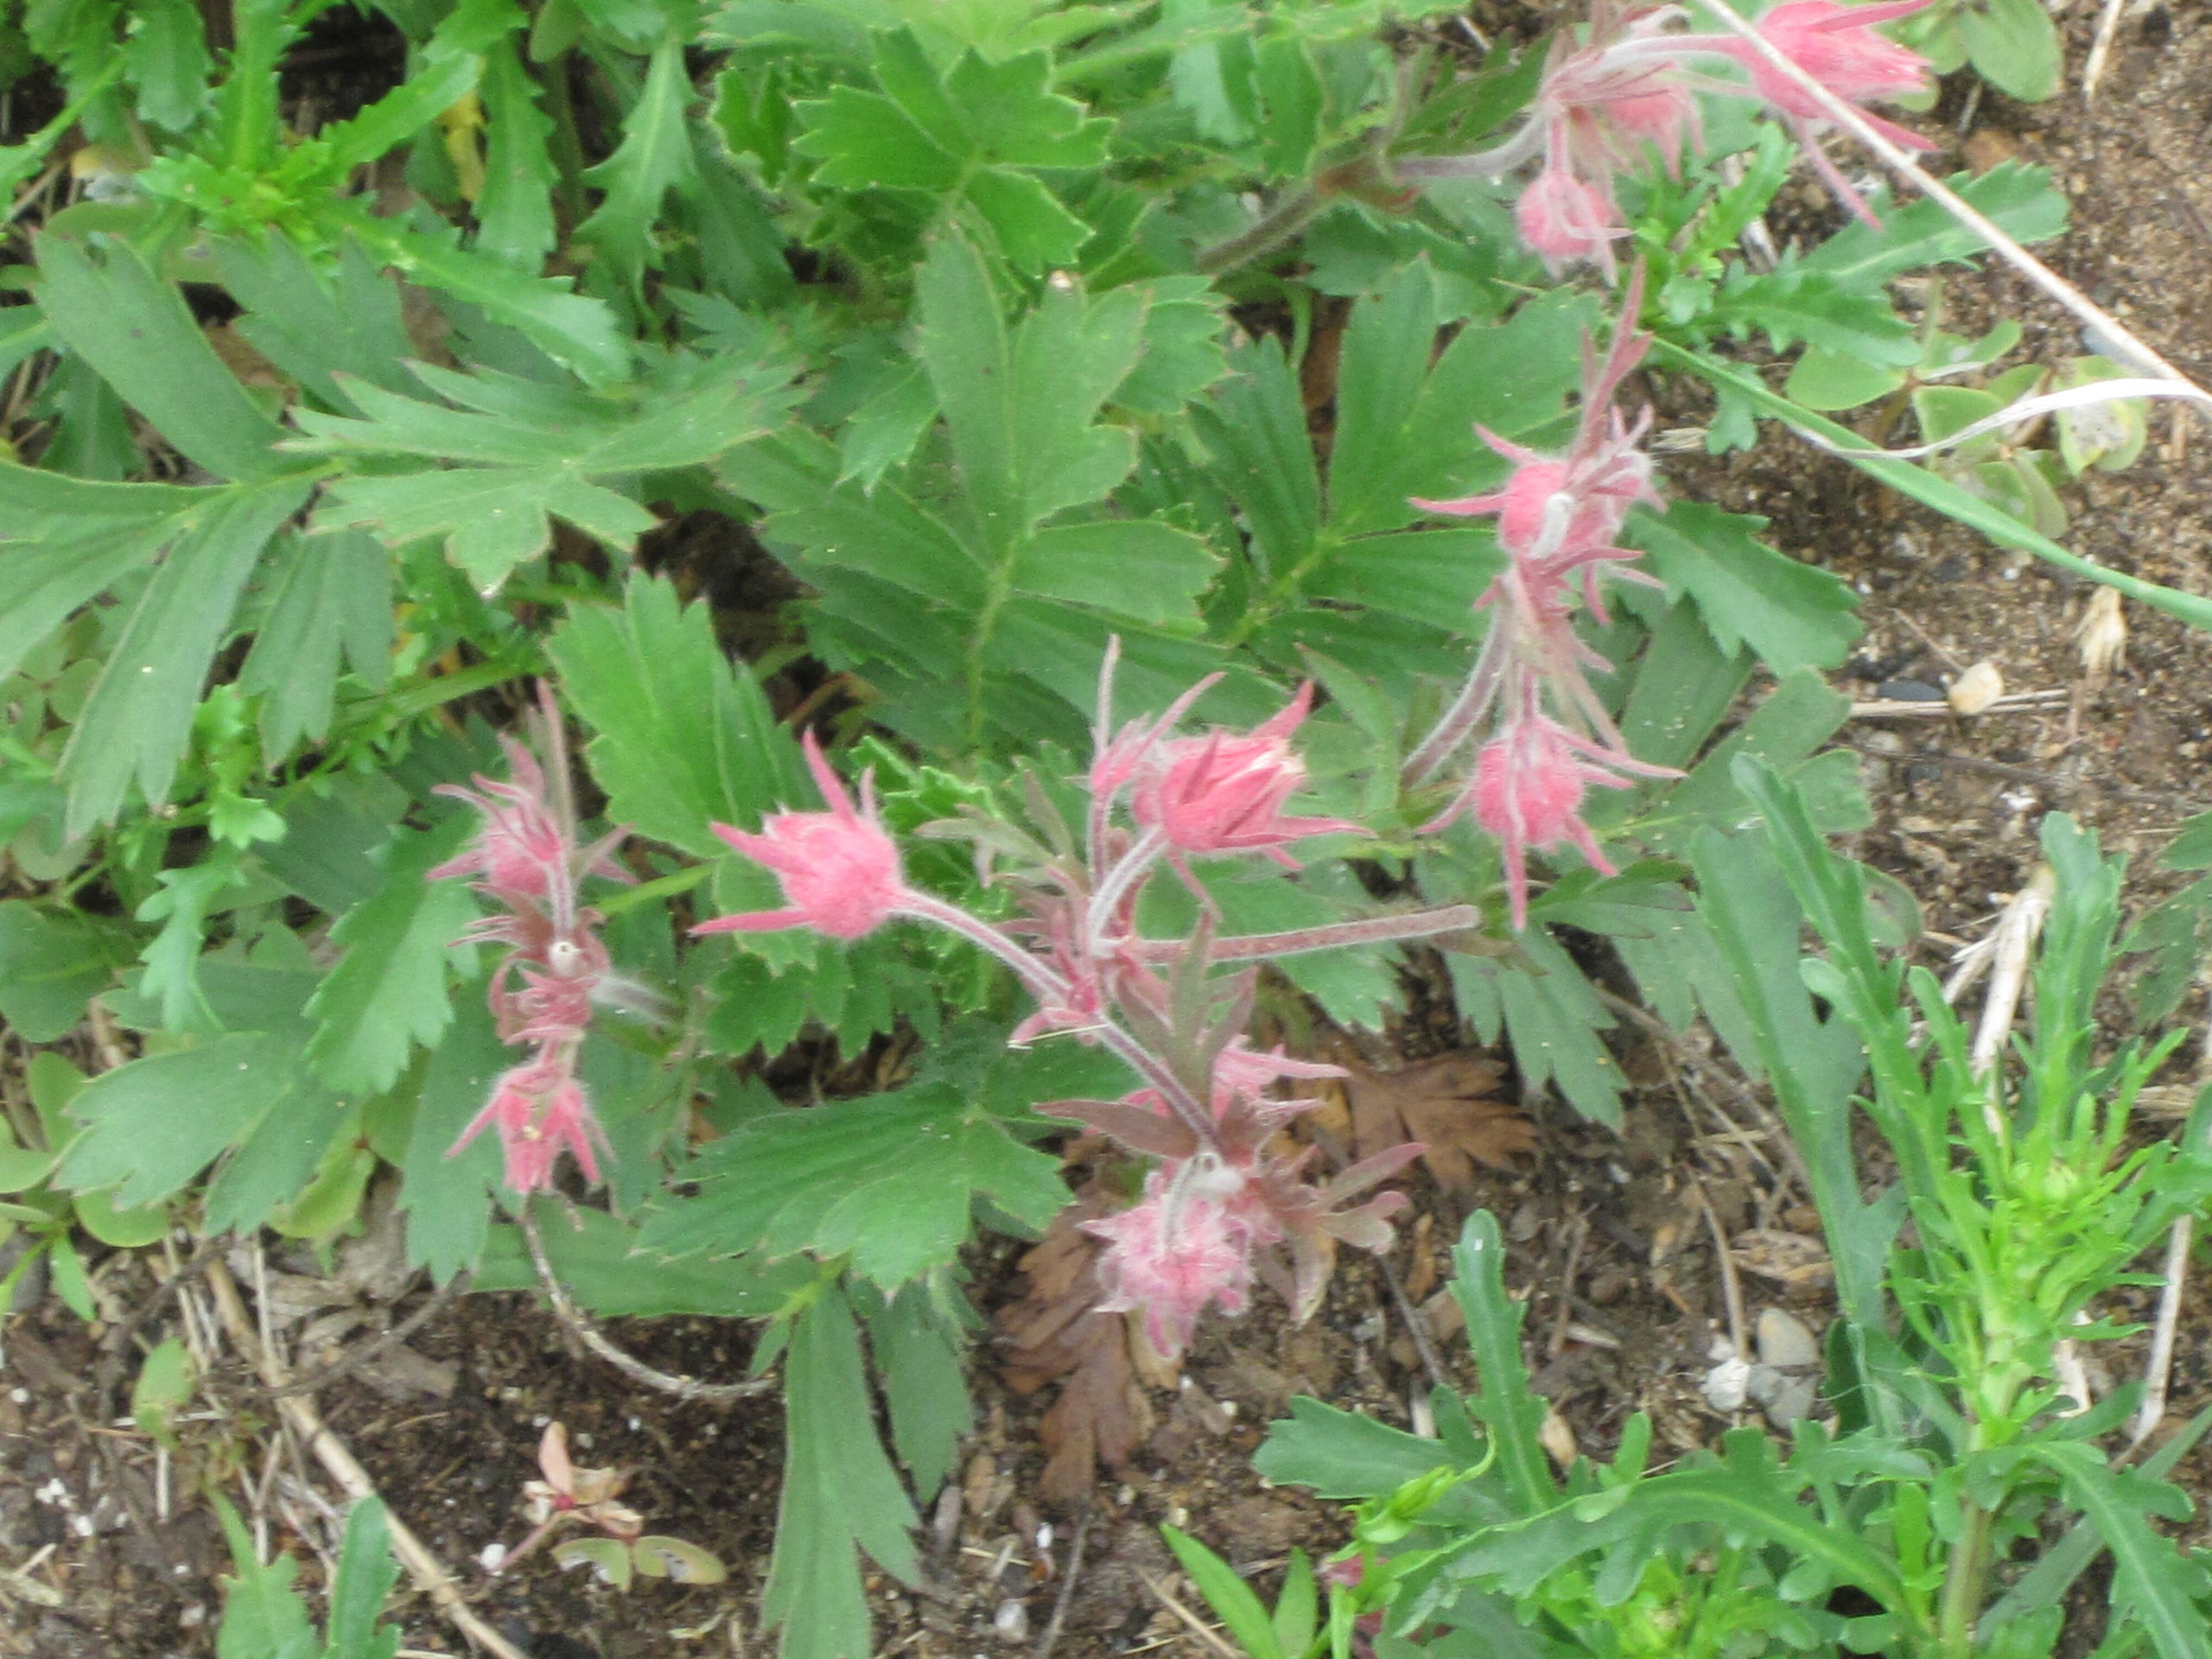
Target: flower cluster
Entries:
(1628, 89)
(525, 858)
(1559, 521)
(1225, 1203)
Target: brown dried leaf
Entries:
(1055, 1333)
(1790, 1259)
(1447, 1103)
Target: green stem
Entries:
(1965, 1585)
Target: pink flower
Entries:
(1187, 1244)
(1836, 46)
(839, 868)
(539, 1111)
(1225, 792)
(1565, 220)
(1527, 790)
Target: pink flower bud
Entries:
(1528, 790)
(1187, 1244)
(1224, 792)
(1565, 220)
(1836, 46)
(538, 1110)
(839, 868)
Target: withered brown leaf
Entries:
(1055, 1333)
(1448, 1103)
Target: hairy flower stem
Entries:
(1048, 987)
(1457, 723)
(1274, 228)
(1375, 929)
(1121, 880)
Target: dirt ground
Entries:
(101, 1558)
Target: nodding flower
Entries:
(1627, 91)
(839, 868)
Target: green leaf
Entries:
(1926, 487)
(840, 1494)
(2013, 45)
(136, 330)
(1231, 1599)
(1913, 235)
(1794, 616)
(152, 1125)
(601, 1261)
(683, 741)
(138, 718)
(166, 1380)
(53, 963)
(653, 158)
(582, 334)
(918, 1351)
(55, 559)
(514, 214)
(1127, 567)
(366, 1574)
(446, 1190)
(281, 1160)
(263, 1617)
(1388, 347)
(608, 1558)
(1344, 1454)
(316, 325)
(2152, 1579)
(331, 600)
(165, 57)
(1254, 425)
(1799, 302)
(388, 992)
(662, 1557)
(522, 455)
(1504, 1404)
(889, 1181)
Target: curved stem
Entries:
(1373, 929)
(1452, 728)
(1040, 981)
(1120, 881)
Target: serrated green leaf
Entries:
(277, 1160)
(152, 1125)
(840, 1494)
(165, 57)
(1129, 566)
(53, 963)
(331, 600)
(1254, 425)
(446, 1189)
(863, 140)
(388, 992)
(139, 716)
(523, 455)
(2018, 198)
(1388, 345)
(1343, 1455)
(1797, 303)
(683, 741)
(1794, 616)
(653, 158)
(1504, 1404)
(1183, 352)
(514, 214)
(888, 1181)
(917, 1356)
(263, 1617)
(316, 324)
(580, 334)
(136, 330)
(366, 1574)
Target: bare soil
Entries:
(1609, 1240)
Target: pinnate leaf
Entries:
(888, 1181)
(1794, 616)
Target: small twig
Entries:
(573, 1321)
(1732, 1288)
(1561, 1325)
(1198, 1627)
(2010, 945)
(428, 1573)
(1067, 1587)
(2158, 1367)
(345, 1364)
(2093, 70)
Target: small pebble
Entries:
(1011, 1622)
(1785, 1342)
(1792, 1404)
(1727, 1384)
